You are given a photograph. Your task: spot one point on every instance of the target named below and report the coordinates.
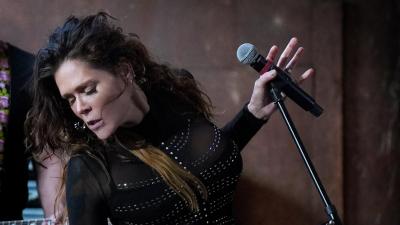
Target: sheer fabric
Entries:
(115, 184)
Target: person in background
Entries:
(15, 73)
(137, 136)
(15, 100)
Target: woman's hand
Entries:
(261, 105)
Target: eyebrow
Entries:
(80, 87)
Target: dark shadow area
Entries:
(371, 112)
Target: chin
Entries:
(103, 133)
(102, 136)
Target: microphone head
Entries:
(246, 53)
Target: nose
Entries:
(82, 108)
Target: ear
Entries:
(126, 72)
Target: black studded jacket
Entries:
(127, 191)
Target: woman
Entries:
(136, 134)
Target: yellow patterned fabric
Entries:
(4, 97)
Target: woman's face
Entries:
(104, 101)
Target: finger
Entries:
(260, 84)
(286, 53)
(273, 51)
(266, 77)
(310, 72)
(292, 63)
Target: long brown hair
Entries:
(51, 124)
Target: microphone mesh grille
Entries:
(246, 53)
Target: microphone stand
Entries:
(275, 88)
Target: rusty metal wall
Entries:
(372, 115)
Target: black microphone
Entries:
(247, 54)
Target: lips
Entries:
(95, 124)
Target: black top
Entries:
(13, 190)
(128, 191)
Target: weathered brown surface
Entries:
(372, 115)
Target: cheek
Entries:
(108, 99)
(111, 109)
(75, 111)
(123, 110)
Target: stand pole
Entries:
(329, 207)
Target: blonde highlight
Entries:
(180, 180)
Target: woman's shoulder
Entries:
(87, 162)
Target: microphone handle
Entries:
(285, 83)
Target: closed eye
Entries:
(87, 88)
(70, 100)
(90, 90)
